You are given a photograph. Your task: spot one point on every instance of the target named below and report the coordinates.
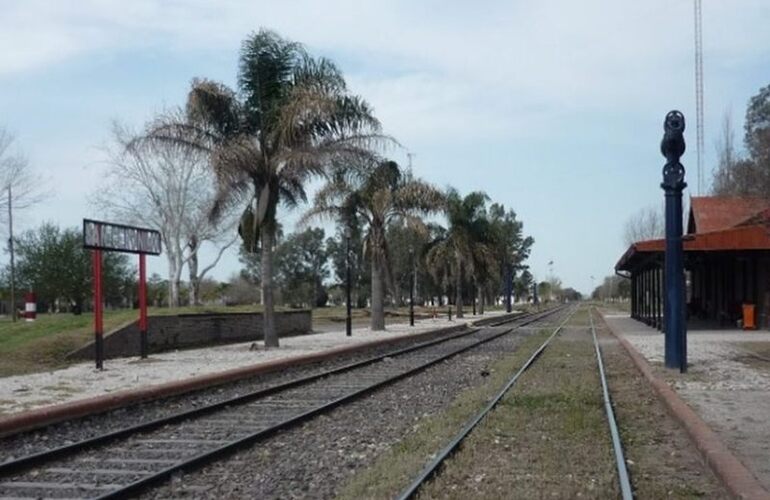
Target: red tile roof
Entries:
(715, 213)
(755, 237)
(721, 224)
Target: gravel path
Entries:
(315, 459)
(732, 396)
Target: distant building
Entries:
(727, 262)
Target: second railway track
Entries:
(125, 462)
(433, 468)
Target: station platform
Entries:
(81, 381)
(727, 383)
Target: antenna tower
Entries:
(699, 91)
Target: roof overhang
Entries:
(755, 237)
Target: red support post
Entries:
(98, 319)
(143, 347)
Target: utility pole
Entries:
(699, 91)
(10, 249)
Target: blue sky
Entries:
(553, 108)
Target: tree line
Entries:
(219, 169)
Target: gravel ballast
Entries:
(314, 459)
(82, 428)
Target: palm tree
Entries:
(376, 192)
(291, 116)
(467, 242)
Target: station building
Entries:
(727, 264)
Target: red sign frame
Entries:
(99, 236)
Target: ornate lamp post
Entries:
(508, 287)
(672, 146)
(348, 317)
(411, 288)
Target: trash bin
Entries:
(749, 318)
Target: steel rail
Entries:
(31, 460)
(21, 463)
(435, 465)
(617, 446)
(40, 458)
(153, 479)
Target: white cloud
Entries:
(441, 74)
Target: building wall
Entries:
(167, 333)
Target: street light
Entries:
(348, 317)
(411, 288)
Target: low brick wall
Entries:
(190, 330)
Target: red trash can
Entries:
(749, 318)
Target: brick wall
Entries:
(167, 333)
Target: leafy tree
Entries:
(757, 128)
(291, 115)
(157, 290)
(360, 278)
(613, 288)
(734, 174)
(301, 268)
(544, 289)
(468, 242)
(511, 247)
(522, 285)
(408, 245)
(375, 194)
(569, 295)
(55, 265)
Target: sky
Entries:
(553, 108)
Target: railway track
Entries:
(433, 468)
(128, 461)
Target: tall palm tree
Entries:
(376, 192)
(291, 116)
(467, 242)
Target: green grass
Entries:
(40, 345)
(396, 467)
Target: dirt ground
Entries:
(549, 437)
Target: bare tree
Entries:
(170, 188)
(647, 224)
(19, 189)
(733, 175)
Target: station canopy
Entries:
(715, 224)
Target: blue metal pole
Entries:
(673, 147)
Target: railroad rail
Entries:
(128, 461)
(433, 468)
(617, 447)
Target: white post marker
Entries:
(30, 306)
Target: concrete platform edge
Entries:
(736, 477)
(47, 415)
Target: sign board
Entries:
(98, 235)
